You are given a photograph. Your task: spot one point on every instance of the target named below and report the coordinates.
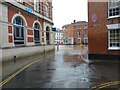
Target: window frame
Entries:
(79, 34)
(79, 40)
(112, 27)
(85, 40)
(20, 31)
(115, 16)
(20, 39)
(35, 30)
(47, 10)
(110, 47)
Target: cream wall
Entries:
(0, 34)
(8, 54)
(4, 26)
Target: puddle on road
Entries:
(101, 79)
(74, 60)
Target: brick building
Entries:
(75, 33)
(104, 29)
(25, 24)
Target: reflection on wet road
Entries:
(65, 68)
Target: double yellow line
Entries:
(19, 71)
(16, 73)
(101, 86)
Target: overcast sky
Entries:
(65, 11)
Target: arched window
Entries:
(18, 28)
(36, 33)
(47, 35)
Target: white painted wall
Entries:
(0, 24)
(70, 40)
(0, 65)
(0, 35)
(0, 44)
(58, 37)
(51, 34)
(8, 54)
(4, 26)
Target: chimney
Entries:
(74, 21)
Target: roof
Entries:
(76, 23)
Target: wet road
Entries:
(65, 68)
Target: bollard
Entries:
(57, 47)
(14, 59)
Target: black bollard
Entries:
(14, 59)
(57, 47)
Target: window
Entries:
(79, 40)
(114, 8)
(48, 35)
(66, 34)
(85, 40)
(85, 27)
(20, 1)
(85, 33)
(36, 33)
(47, 10)
(36, 5)
(78, 34)
(114, 39)
(18, 31)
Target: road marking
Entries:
(17, 72)
(105, 85)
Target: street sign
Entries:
(28, 9)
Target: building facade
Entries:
(58, 37)
(75, 33)
(25, 24)
(104, 29)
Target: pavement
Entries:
(12, 66)
(67, 67)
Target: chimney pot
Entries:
(74, 21)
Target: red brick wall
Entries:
(29, 18)
(29, 4)
(98, 32)
(73, 32)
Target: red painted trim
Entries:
(9, 29)
(30, 32)
(30, 39)
(10, 39)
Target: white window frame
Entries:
(79, 39)
(78, 34)
(20, 1)
(47, 10)
(36, 6)
(116, 16)
(20, 29)
(20, 26)
(85, 40)
(112, 27)
(37, 29)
